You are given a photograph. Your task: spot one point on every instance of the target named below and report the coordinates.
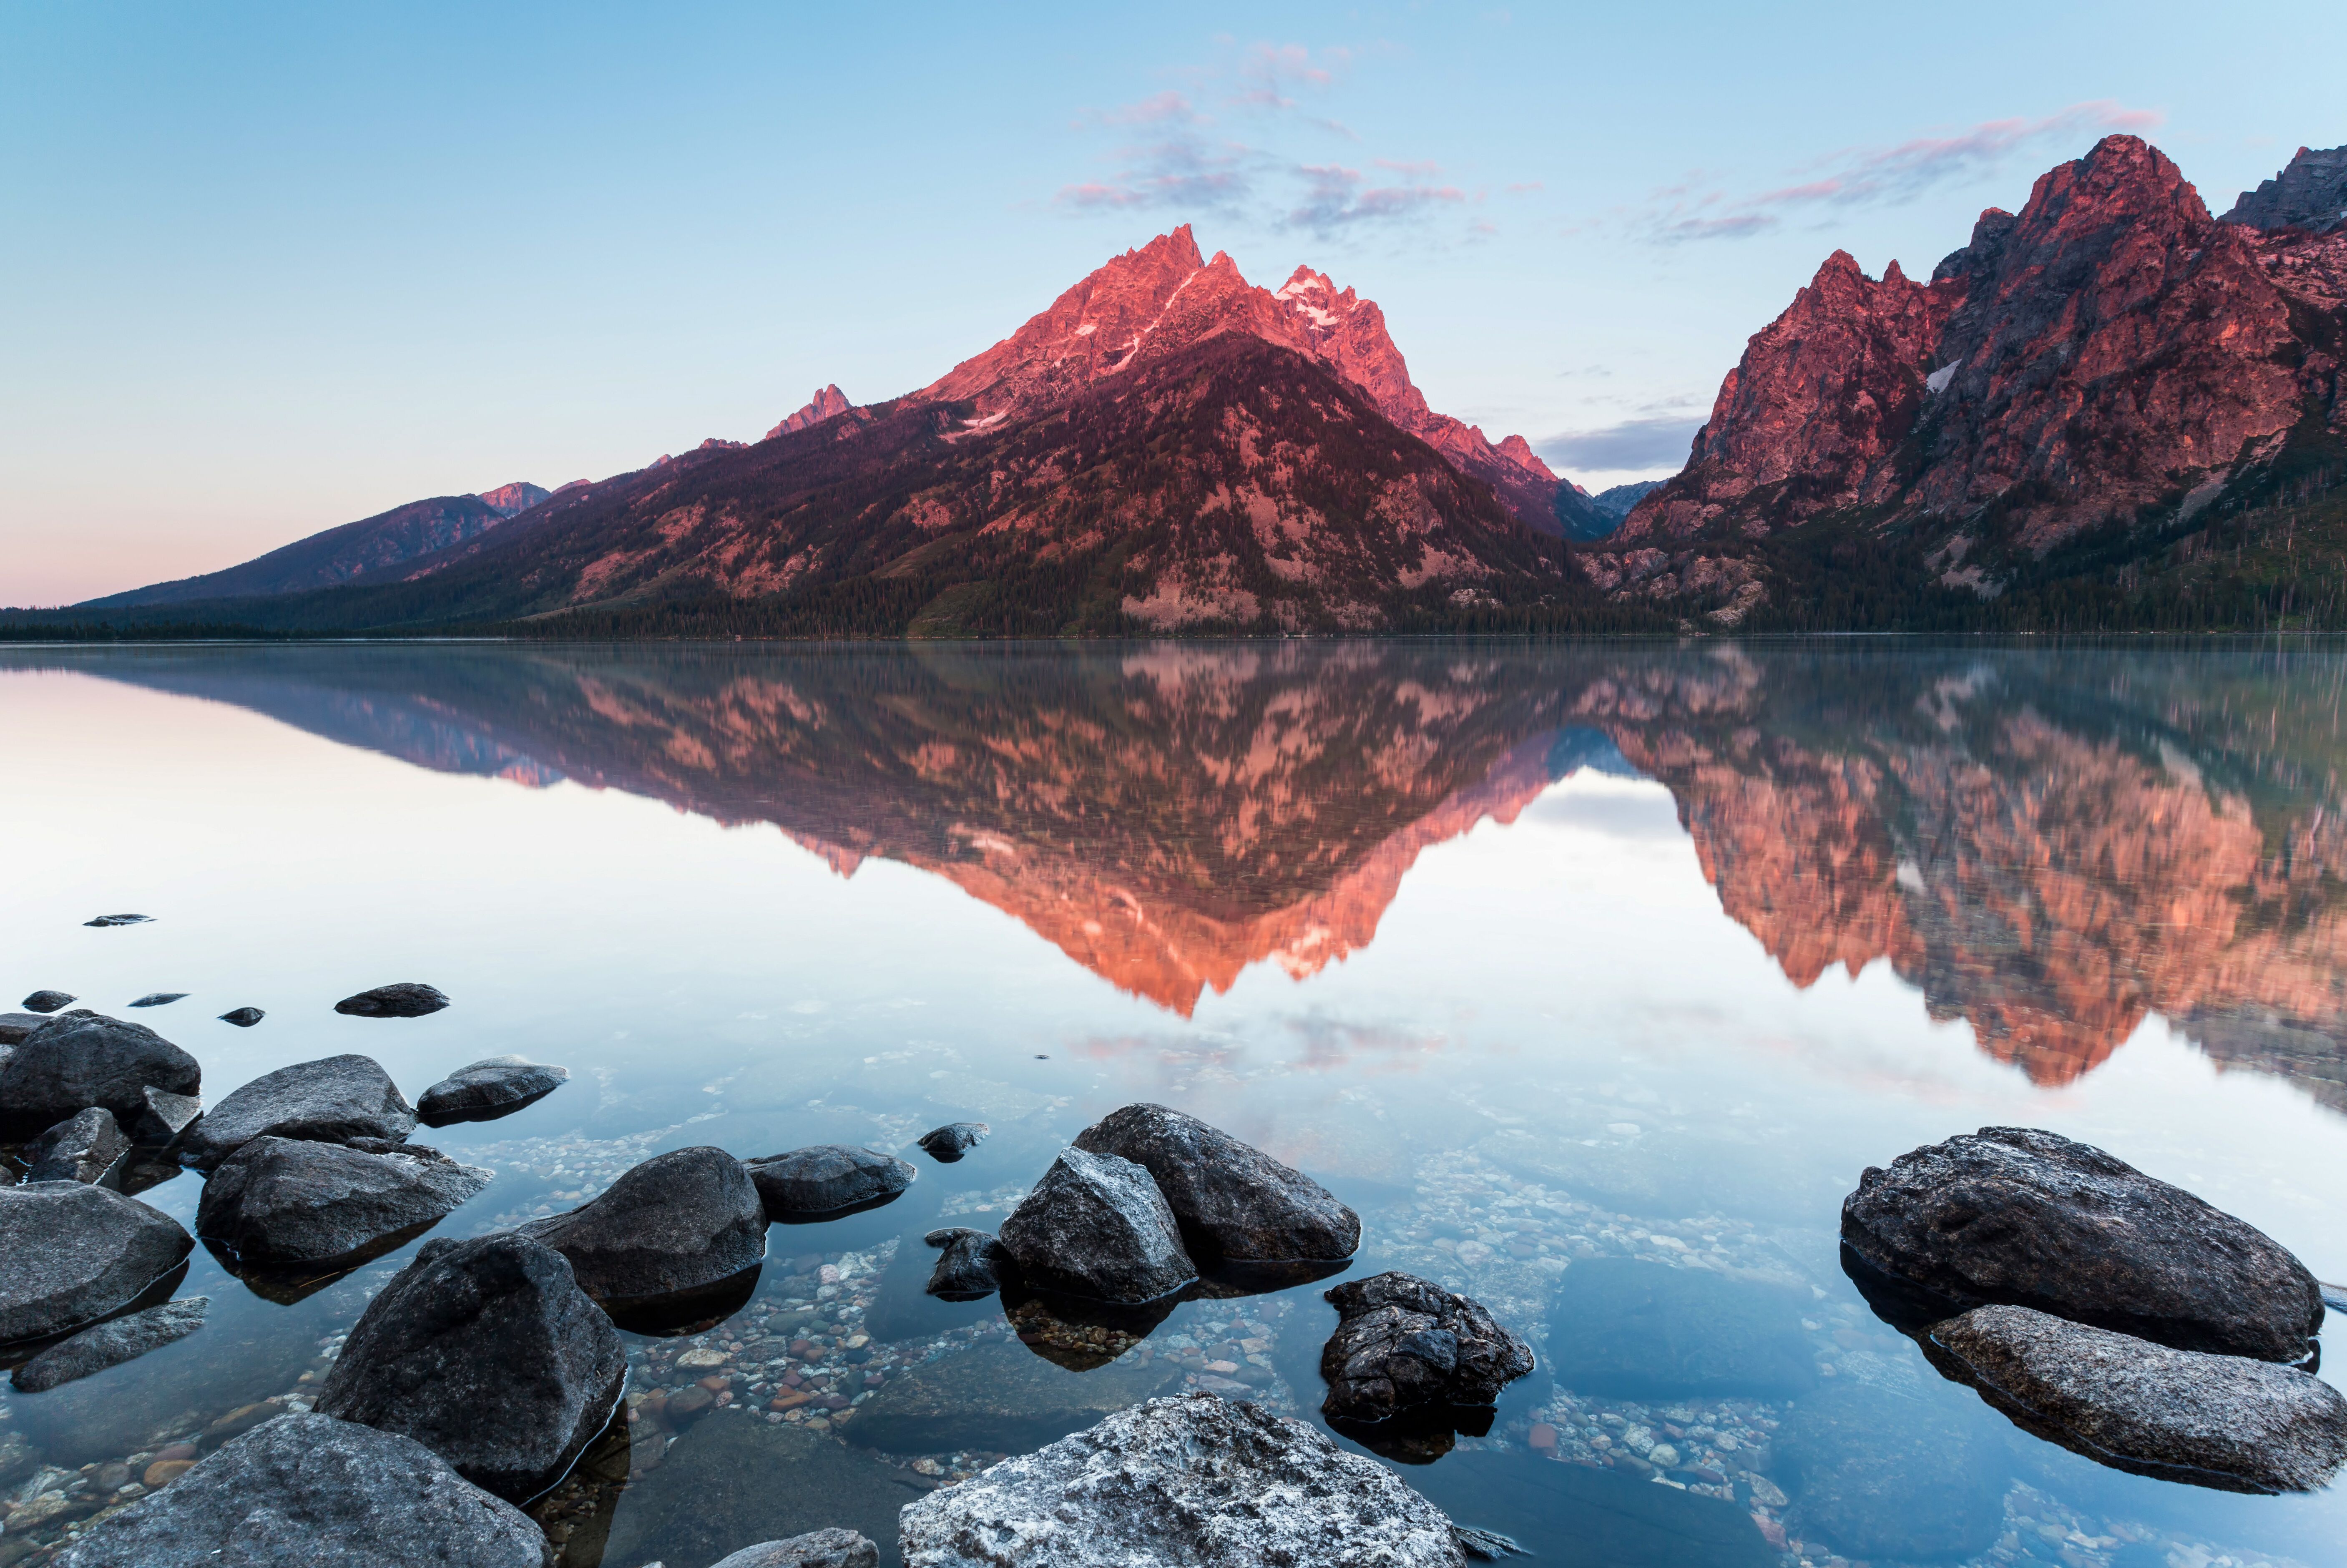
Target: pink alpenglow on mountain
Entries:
(822, 406)
(508, 500)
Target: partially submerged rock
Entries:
(160, 999)
(1196, 1481)
(1624, 1326)
(817, 1549)
(48, 1001)
(685, 1221)
(1403, 1343)
(16, 1026)
(110, 1344)
(331, 1101)
(827, 1179)
(405, 999)
(81, 1149)
(76, 1253)
(733, 1478)
(1881, 1473)
(488, 1089)
(971, 1265)
(997, 1396)
(243, 1017)
(1232, 1200)
(82, 1060)
(487, 1353)
(2226, 1421)
(949, 1143)
(1097, 1225)
(163, 1117)
(120, 921)
(311, 1490)
(2016, 1216)
(285, 1204)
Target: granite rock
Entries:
(968, 1267)
(48, 1001)
(1096, 1225)
(243, 1017)
(110, 1344)
(488, 1089)
(81, 1149)
(288, 1204)
(82, 1060)
(1232, 1200)
(827, 1179)
(816, 1549)
(1404, 1343)
(76, 1253)
(680, 1222)
(331, 1101)
(949, 1143)
(407, 999)
(160, 999)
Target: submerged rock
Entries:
(1232, 1200)
(284, 1203)
(407, 999)
(48, 1001)
(243, 1017)
(2221, 1420)
(488, 1089)
(1877, 1473)
(487, 1353)
(163, 1117)
(1403, 1343)
(1586, 1517)
(76, 1253)
(82, 1060)
(685, 1221)
(817, 1549)
(1625, 1327)
(997, 1396)
(316, 1493)
(81, 1148)
(120, 921)
(160, 999)
(733, 1480)
(2015, 1217)
(331, 1101)
(1194, 1479)
(110, 1344)
(949, 1143)
(1078, 1332)
(827, 1179)
(1097, 1225)
(970, 1266)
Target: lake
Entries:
(1591, 975)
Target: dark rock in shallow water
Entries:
(331, 1101)
(160, 999)
(1097, 1225)
(76, 1253)
(81, 1148)
(316, 1493)
(488, 1089)
(1196, 1481)
(82, 1060)
(1625, 1327)
(487, 1353)
(46, 1001)
(1576, 1516)
(16, 1026)
(283, 1204)
(163, 1117)
(819, 1549)
(826, 1180)
(685, 1221)
(2014, 1217)
(110, 1344)
(949, 1143)
(733, 1481)
(1232, 1200)
(997, 1396)
(1402, 1342)
(120, 921)
(407, 999)
(243, 1017)
(2334, 1296)
(1880, 1475)
(2225, 1421)
(970, 1266)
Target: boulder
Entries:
(1097, 1225)
(827, 1179)
(997, 1396)
(2226, 1421)
(48, 1001)
(1403, 1343)
(1625, 1327)
(120, 921)
(817, 1549)
(684, 1221)
(316, 1493)
(2018, 1218)
(331, 1101)
(76, 1253)
(1232, 1200)
(1194, 1479)
(407, 999)
(110, 1344)
(970, 1266)
(284, 1203)
(16, 1026)
(81, 1149)
(488, 1089)
(164, 1117)
(82, 1060)
(160, 999)
(949, 1143)
(487, 1353)
(243, 1017)
(1879, 1472)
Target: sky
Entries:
(271, 269)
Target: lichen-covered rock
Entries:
(488, 1089)
(2019, 1217)
(1196, 1481)
(1097, 1225)
(2221, 1421)
(81, 1149)
(1403, 1343)
(75, 1252)
(285, 1202)
(680, 1222)
(81, 1060)
(110, 1344)
(405, 998)
(1232, 1200)
(816, 1549)
(331, 1101)
(309, 1491)
(826, 1179)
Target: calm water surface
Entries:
(1544, 960)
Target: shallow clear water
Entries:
(1538, 957)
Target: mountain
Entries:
(512, 500)
(2086, 385)
(2311, 193)
(820, 408)
(1613, 504)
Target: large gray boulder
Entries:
(487, 1353)
(680, 1222)
(827, 1179)
(1196, 1481)
(331, 1101)
(284, 1203)
(1096, 1225)
(1405, 1344)
(75, 1253)
(2222, 1420)
(1232, 1200)
(81, 1149)
(816, 1549)
(488, 1089)
(81, 1060)
(110, 1344)
(309, 1491)
(2015, 1217)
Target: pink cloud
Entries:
(1336, 197)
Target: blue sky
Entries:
(272, 269)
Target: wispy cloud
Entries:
(1337, 198)
(1159, 108)
(1654, 441)
(1182, 171)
